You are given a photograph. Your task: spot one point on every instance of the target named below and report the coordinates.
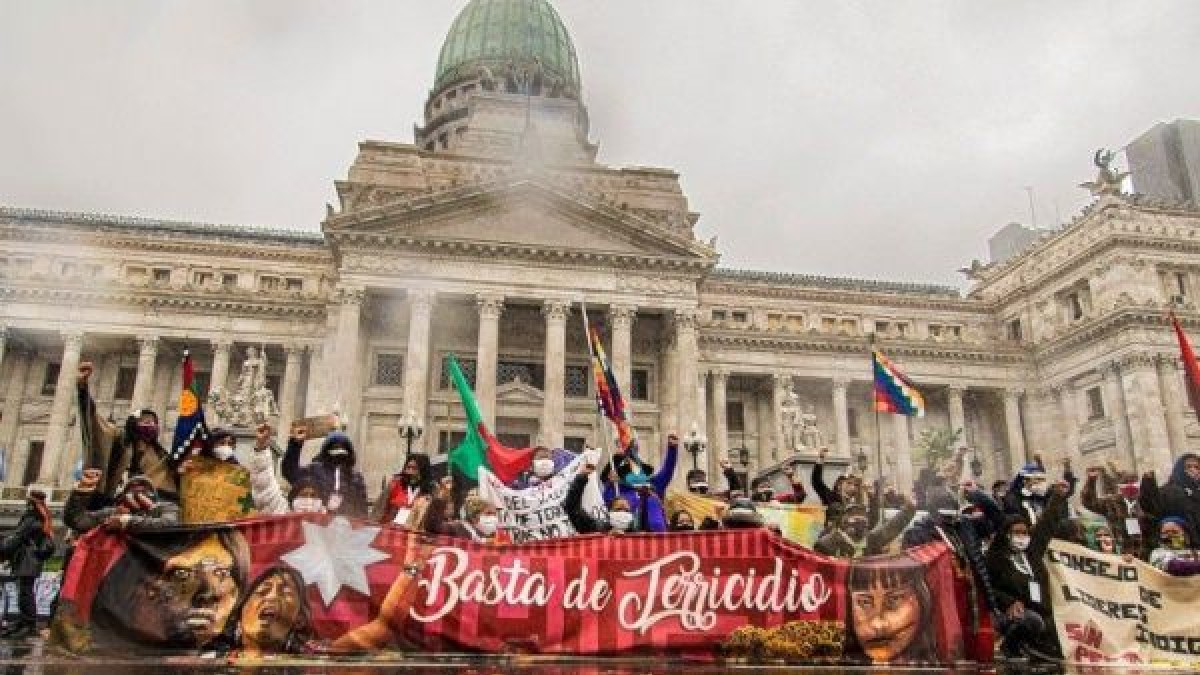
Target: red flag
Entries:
(1191, 368)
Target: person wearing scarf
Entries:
(26, 549)
(407, 492)
(339, 484)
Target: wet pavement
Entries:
(32, 656)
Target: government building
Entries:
(489, 235)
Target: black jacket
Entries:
(966, 537)
(80, 516)
(835, 543)
(581, 520)
(1010, 582)
(323, 471)
(20, 548)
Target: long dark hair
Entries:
(891, 572)
(124, 586)
(302, 628)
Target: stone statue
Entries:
(1108, 180)
(810, 434)
(975, 271)
(252, 402)
(790, 418)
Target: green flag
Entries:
(480, 448)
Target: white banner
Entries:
(537, 512)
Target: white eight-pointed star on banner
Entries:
(334, 556)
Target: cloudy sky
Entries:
(849, 138)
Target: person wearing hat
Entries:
(332, 470)
(849, 537)
(119, 452)
(741, 514)
(26, 549)
(137, 507)
(1028, 493)
(1175, 554)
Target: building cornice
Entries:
(215, 303)
(776, 342)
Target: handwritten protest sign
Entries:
(537, 512)
(1109, 610)
(215, 492)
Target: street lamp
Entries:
(743, 456)
(976, 464)
(410, 430)
(861, 460)
(695, 444)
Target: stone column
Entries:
(14, 397)
(621, 319)
(687, 356)
(1012, 423)
(554, 394)
(288, 389)
(765, 416)
(958, 416)
(143, 383)
(841, 415)
(1068, 412)
(1114, 403)
(58, 440)
(669, 390)
(416, 359)
(345, 363)
(1147, 423)
(3, 343)
(490, 308)
(903, 456)
(776, 400)
(219, 377)
(1173, 403)
(701, 393)
(719, 423)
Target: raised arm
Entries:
(662, 478)
(582, 521)
(1051, 519)
(1089, 496)
(291, 457)
(818, 479)
(264, 486)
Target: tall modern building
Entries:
(486, 236)
(1164, 162)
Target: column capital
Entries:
(294, 350)
(490, 305)
(1110, 369)
(685, 319)
(1013, 394)
(956, 390)
(556, 310)
(779, 379)
(222, 343)
(840, 382)
(422, 300)
(73, 339)
(621, 316)
(349, 294)
(147, 343)
(719, 374)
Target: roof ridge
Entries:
(852, 283)
(97, 218)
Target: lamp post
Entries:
(695, 444)
(410, 430)
(976, 464)
(861, 460)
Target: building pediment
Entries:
(525, 216)
(518, 393)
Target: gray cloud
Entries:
(847, 138)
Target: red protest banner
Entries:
(311, 584)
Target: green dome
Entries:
(494, 32)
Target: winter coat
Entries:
(21, 548)
(78, 515)
(834, 504)
(395, 494)
(1010, 581)
(581, 520)
(650, 513)
(269, 499)
(328, 475)
(118, 452)
(966, 538)
(1117, 511)
(1179, 497)
(835, 543)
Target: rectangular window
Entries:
(1074, 306)
(795, 322)
(1095, 404)
(1014, 330)
(639, 384)
(162, 275)
(126, 377)
(883, 327)
(135, 273)
(576, 382)
(229, 281)
(266, 283)
(828, 325)
(935, 331)
(204, 381)
(33, 463)
(201, 278)
(294, 284)
(849, 327)
(68, 269)
(50, 379)
(1181, 285)
(774, 322)
(533, 374)
(735, 416)
(448, 440)
(94, 271)
(468, 370)
(740, 317)
(574, 443)
(852, 422)
(719, 315)
(389, 370)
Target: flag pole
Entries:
(605, 431)
(875, 408)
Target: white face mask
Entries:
(488, 524)
(1019, 542)
(620, 520)
(223, 452)
(308, 505)
(888, 514)
(544, 468)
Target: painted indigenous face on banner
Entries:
(890, 607)
(177, 589)
(274, 616)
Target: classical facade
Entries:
(489, 236)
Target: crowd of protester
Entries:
(998, 536)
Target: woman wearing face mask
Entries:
(405, 498)
(480, 523)
(1018, 574)
(681, 521)
(1119, 506)
(620, 514)
(333, 469)
(1174, 553)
